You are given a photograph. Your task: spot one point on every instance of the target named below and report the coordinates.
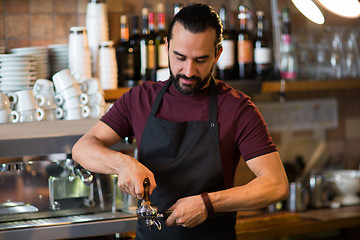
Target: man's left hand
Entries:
(187, 212)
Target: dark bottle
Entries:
(226, 64)
(262, 51)
(147, 48)
(162, 57)
(127, 56)
(134, 51)
(288, 61)
(245, 47)
(123, 59)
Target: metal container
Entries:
(298, 197)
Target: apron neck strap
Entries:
(212, 96)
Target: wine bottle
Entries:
(262, 51)
(227, 62)
(121, 47)
(245, 47)
(162, 57)
(134, 51)
(147, 48)
(288, 61)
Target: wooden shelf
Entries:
(312, 85)
(249, 86)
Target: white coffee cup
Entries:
(77, 113)
(96, 99)
(97, 111)
(72, 103)
(70, 92)
(50, 115)
(46, 103)
(93, 86)
(44, 87)
(32, 115)
(25, 100)
(5, 115)
(4, 101)
(63, 80)
(76, 100)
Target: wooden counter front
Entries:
(272, 225)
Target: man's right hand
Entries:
(131, 175)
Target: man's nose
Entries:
(190, 69)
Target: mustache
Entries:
(178, 76)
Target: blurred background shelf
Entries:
(253, 86)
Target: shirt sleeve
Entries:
(253, 137)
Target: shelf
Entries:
(253, 86)
(312, 85)
(44, 138)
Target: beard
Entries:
(189, 89)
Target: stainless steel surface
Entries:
(69, 226)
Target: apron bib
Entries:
(185, 159)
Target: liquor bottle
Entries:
(226, 64)
(262, 50)
(162, 57)
(245, 47)
(134, 51)
(122, 58)
(288, 61)
(147, 49)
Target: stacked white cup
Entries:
(45, 96)
(25, 106)
(97, 102)
(97, 28)
(6, 113)
(108, 66)
(79, 56)
(70, 96)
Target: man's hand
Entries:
(187, 212)
(131, 176)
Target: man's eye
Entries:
(200, 60)
(181, 59)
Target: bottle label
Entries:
(151, 60)
(245, 51)
(163, 57)
(227, 57)
(262, 55)
(143, 55)
(288, 75)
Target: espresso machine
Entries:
(49, 196)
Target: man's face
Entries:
(191, 58)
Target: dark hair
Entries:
(198, 18)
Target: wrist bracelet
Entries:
(208, 205)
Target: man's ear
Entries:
(218, 53)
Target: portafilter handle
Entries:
(146, 185)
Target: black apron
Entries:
(185, 159)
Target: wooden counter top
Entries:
(271, 225)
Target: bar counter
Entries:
(280, 224)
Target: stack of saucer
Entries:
(17, 72)
(41, 58)
(58, 57)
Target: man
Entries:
(191, 131)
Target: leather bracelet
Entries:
(208, 205)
